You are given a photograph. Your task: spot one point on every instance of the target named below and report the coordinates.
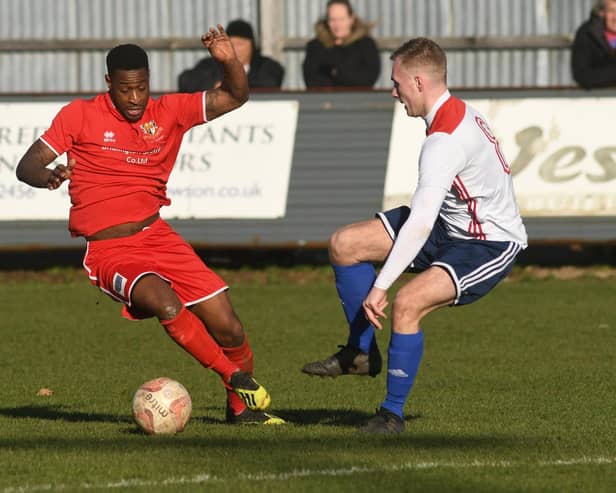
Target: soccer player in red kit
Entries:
(121, 148)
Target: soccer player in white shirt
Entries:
(461, 234)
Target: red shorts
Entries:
(115, 265)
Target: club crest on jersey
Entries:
(151, 131)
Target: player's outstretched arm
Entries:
(32, 168)
(233, 92)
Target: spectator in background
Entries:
(262, 71)
(593, 56)
(342, 54)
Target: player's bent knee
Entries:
(221, 322)
(155, 297)
(405, 309)
(408, 305)
(341, 247)
(332, 246)
(169, 311)
(230, 333)
(165, 309)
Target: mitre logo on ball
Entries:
(162, 406)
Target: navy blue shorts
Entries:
(475, 266)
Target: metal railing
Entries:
(289, 44)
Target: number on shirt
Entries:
(488, 133)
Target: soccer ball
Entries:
(161, 406)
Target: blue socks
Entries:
(405, 352)
(353, 283)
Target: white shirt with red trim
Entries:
(464, 179)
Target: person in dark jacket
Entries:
(593, 54)
(343, 53)
(262, 71)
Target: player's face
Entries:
(406, 89)
(129, 90)
(339, 21)
(609, 14)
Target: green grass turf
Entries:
(515, 393)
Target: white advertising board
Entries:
(562, 154)
(237, 166)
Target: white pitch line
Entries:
(305, 473)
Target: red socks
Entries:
(189, 332)
(242, 357)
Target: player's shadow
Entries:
(325, 417)
(55, 413)
(328, 417)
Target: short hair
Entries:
(423, 52)
(127, 57)
(346, 3)
(240, 29)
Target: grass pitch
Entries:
(515, 393)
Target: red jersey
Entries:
(122, 167)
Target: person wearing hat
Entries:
(262, 71)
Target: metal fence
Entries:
(32, 61)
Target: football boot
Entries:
(250, 391)
(348, 361)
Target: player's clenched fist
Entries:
(60, 174)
